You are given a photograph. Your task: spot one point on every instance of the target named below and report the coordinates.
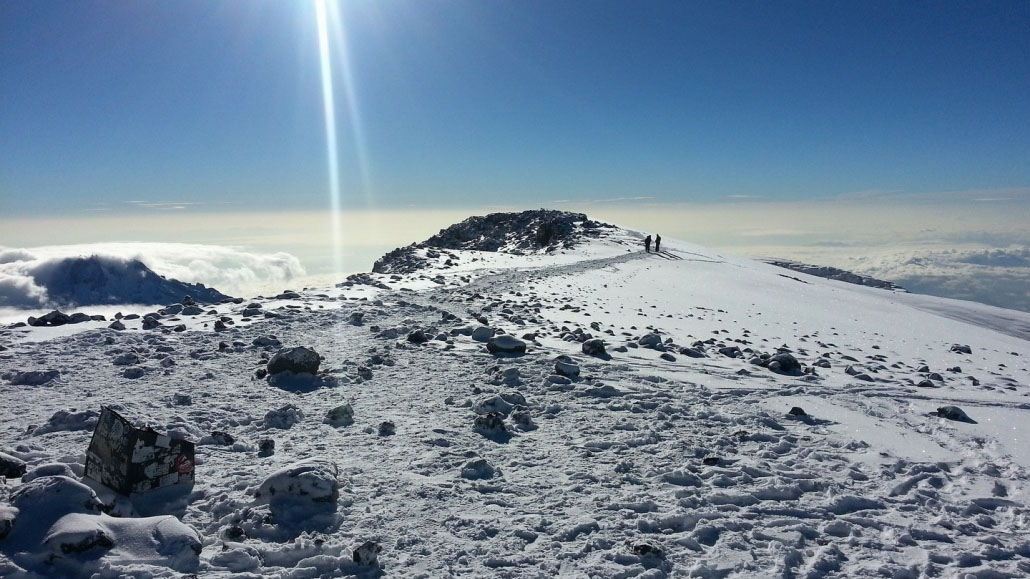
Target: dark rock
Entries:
(298, 360)
(668, 357)
(731, 352)
(954, 413)
(367, 553)
(926, 384)
(266, 447)
(11, 466)
(692, 352)
(594, 347)
(117, 325)
(797, 411)
(387, 428)
(417, 337)
(961, 349)
(784, 363)
(134, 372)
(222, 438)
(341, 415)
(490, 423)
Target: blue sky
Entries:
(464, 102)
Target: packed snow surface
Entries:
(686, 442)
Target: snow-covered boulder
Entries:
(79, 542)
(301, 494)
(69, 420)
(565, 367)
(506, 344)
(284, 417)
(32, 377)
(49, 469)
(478, 468)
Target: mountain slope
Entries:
(645, 461)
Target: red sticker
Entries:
(183, 464)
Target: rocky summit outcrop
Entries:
(538, 230)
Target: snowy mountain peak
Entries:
(101, 280)
(533, 231)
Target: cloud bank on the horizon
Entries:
(228, 269)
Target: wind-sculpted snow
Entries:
(723, 433)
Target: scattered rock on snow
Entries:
(477, 469)
(505, 344)
(954, 413)
(300, 359)
(284, 417)
(367, 553)
(961, 349)
(11, 466)
(564, 367)
(482, 333)
(342, 415)
(797, 411)
(594, 347)
(266, 447)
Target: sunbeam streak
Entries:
(332, 151)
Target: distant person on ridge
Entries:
(657, 243)
(647, 244)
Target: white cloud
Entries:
(228, 269)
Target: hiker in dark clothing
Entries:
(657, 243)
(647, 244)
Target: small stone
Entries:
(961, 349)
(387, 428)
(266, 447)
(367, 553)
(342, 415)
(797, 411)
(222, 438)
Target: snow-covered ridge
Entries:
(590, 411)
(834, 273)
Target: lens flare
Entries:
(332, 150)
